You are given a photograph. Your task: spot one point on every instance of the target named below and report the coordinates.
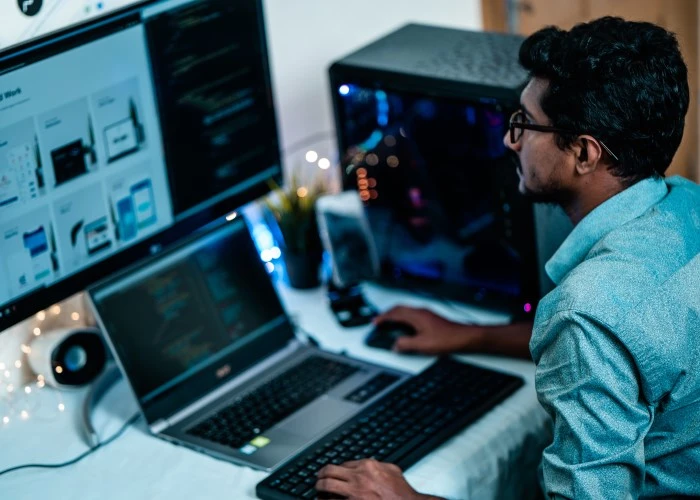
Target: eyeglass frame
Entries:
(545, 128)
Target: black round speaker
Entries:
(68, 357)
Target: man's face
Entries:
(543, 167)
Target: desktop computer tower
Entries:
(420, 118)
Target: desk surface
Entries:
(496, 457)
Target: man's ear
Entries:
(588, 154)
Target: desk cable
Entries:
(108, 378)
(99, 445)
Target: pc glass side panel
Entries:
(439, 187)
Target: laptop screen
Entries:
(200, 307)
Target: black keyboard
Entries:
(402, 427)
(246, 417)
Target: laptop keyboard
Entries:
(401, 427)
(246, 417)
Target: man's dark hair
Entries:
(622, 82)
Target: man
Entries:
(617, 342)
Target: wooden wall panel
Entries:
(680, 16)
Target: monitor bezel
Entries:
(51, 36)
(18, 309)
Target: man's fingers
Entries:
(407, 344)
(332, 485)
(354, 464)
(341, 472)
(397, 313)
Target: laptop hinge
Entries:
(159, 426)
(249, 374)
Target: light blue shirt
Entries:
(617, 347)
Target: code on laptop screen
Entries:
(188, 309)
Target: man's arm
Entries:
(587, 381)
(437, 335)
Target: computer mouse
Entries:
(387, 332)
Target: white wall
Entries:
(306, 36)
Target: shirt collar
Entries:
(612, 213)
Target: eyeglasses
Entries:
(518, 123)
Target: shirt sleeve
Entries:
(587, 381)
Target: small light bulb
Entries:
(40, 384)
(28, 390)
(56, 310)
(25, 349)
(5, 420)
(324, 163)
(61, 407)
(302, 192)
(18, 364)
(7, 374)
(37, 331)
(75, 316)
(41, 315)
(231, 216)
(10, 388)
(59, 369)
(40, 377)
(24, 414)
(311, 156)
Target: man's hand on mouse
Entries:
(367, 480)
(434, 334)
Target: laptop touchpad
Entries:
(318, 416)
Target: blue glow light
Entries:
(344, 89)
(426, 109)
(263, 237)
(471, 115)
(382, 108)
(265, 255)
(372, 141)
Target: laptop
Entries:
(212, 358)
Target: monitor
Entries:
(122, 135)
(26, 20)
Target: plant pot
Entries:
(302, 269)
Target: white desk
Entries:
(496, 457)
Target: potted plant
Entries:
(294, 214)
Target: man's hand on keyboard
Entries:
(366, 480)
